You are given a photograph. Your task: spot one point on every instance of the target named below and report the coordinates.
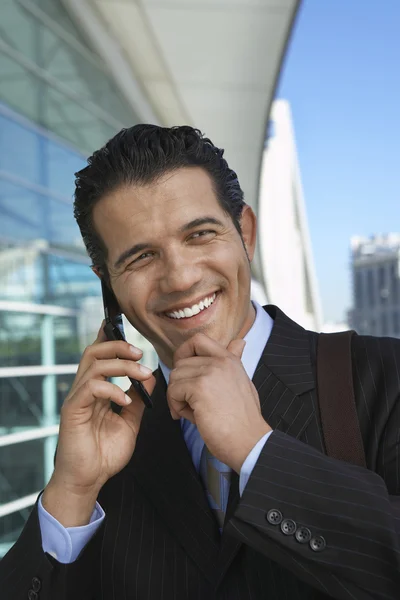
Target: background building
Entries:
(73, 73)
(376, 285)
(285, 248)
(57, 104)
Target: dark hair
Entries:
(140, 155)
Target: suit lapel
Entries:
(164, 469)
(283, 376)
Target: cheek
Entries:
(131, 294)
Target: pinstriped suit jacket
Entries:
(159, 539)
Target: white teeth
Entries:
(193, 310)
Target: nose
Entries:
(181, 272)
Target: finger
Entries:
(195, 364)
(95, 390)
(105, 350)
(149, 384)
(101, 334)
(237, 347)
(185, 413)
(104, 369)
(199, 345)
(178, 398)
(179, 408)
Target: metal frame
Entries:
(26, 436)
(41, 74)
(109, 50)
(41, 309)
(17, 505)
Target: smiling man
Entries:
(223, 489)
(186, 250)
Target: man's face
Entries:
(162, 259)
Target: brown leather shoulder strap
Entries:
(337, 405)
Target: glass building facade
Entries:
(57, 105)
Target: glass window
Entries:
(396, 322)
(21, 469)
(28, 215)
(22, 401)
(14, 137)
(358, 291)
(22, 338)
(394, 283)
(10, 528)
(56, 79)
(61, 165)
(384, 324)
(370, 287)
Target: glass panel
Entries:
(15, 19)
(22, 338)
(75, 122)
(13, 137)
(27, 215)
(396, 323)
(10, 528)
(394, 283)
(21, 404)
(19, 88)
(384, 324)
(61, 165)
(370, 287)
(21, 471)
(44, 58)
(54, 10)
(358, 275)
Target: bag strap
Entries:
(337, 405)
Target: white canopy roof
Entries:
(212, 64)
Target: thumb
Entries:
(236, 347)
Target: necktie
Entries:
(216, 477)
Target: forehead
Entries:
(159, 207)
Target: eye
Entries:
(204, 233)
(141, 257)
(144, 255)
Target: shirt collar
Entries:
(256, 339)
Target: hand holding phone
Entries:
(114, 331)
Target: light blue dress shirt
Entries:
(66, 543)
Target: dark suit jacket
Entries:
(159, 539)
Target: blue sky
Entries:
(342, 78)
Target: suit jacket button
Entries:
(318, 543)
(274, 517)
(36, 584)
(288, 527)
(32, 595)
(303, 535)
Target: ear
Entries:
(96, 271)
(248, 223)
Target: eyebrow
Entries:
(140, 247)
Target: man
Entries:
(235, 412)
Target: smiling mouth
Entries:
(189, 312)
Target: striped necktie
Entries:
(216, 477)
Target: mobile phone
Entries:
(114, 330)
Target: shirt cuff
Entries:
(66, 543)
(249, 463)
